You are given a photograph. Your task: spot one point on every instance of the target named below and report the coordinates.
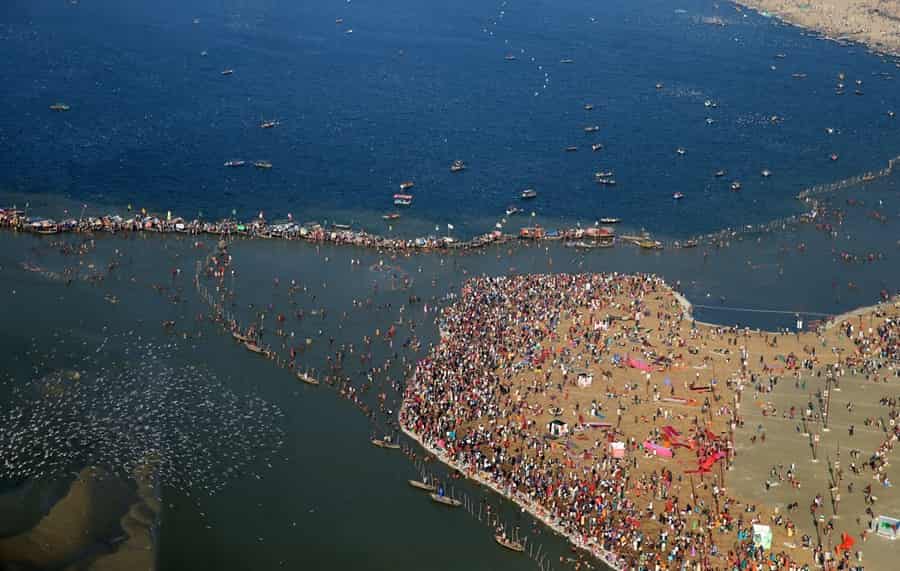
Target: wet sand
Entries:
(875, 23)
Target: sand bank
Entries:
(875, 23)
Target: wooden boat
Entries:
(419, 485)
(444, 500)
(406, 185)
(648, 244)
(307, 378)
(504, 541)
(241, 337)
(385, 443)
(254, 348)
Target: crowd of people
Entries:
(513, 353)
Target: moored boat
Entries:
(307, 378)
(508, 543)
(386, 442)
(513, 210)
(403, 199)
(610, 220)
(449, 502)
(391, 216)
(420, 485)
(254, 348)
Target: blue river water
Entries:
(369, 94)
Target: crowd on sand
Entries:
(654, 400)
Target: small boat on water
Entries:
(422, 485)
(340, 226)
(603, 174)
(681, 151)
(235, 163)
(592, 128)
(610, 220)
(891, 114)
(571, 149)
(689, 244)
(529, 193)
(407, 184)
(444, 500)
(648, 244)
(386, 442)
(254, 348)
(338, 20)
(677, 195)
(268, 124)
(868, 177)
(403, 199)
(735, 186)
(391, 216)
(597, 147)
(513, 210)
(509, 57)
(566, 60)
(508, 543)
(766, 173)
(238, 336)
(588, 107)
(659, 86)
(262, 164)
(834, 156)
(307, 378)
(59, 107)
(227, 71)
(720, 173)
(798, 75)
(605, 181)
(457, 166)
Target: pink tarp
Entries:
(657, 449)
(638, 364)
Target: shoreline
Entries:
(608, 558)
(439, 390)
(838, 21)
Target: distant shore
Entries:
(874, 23)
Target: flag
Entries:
(449, 226)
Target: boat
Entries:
(689, 244)
(597, 147)
(720, 173)
(268, 124)
(509, 57)
(449, 502)
(236, 163)
(307, 378)
(681, 151)
(798, 75)
(338, 20)
(588, 107)
(419, 485)
(648, 244)
(59, 107)
(566, 60)
(504, 541)
(529, 193)
(254, 348)
(406, 185)
(340, 226)
(241, 337)
(571, 149)
(386, 442)
(659, 86)
(610, 220)
(868, 177)
(592, 128)
(391, 216)
(603, 174)
(677, 195)
(606, 181)
(766, 173)
(403, 199)
(710, 120)
(262, 164)
(834, 156)
(227, 71)
(457, 166)
(513, 210)
(735, 186)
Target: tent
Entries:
(557, 427)
(888, 527)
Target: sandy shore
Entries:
(761, 378)
(875, 23)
